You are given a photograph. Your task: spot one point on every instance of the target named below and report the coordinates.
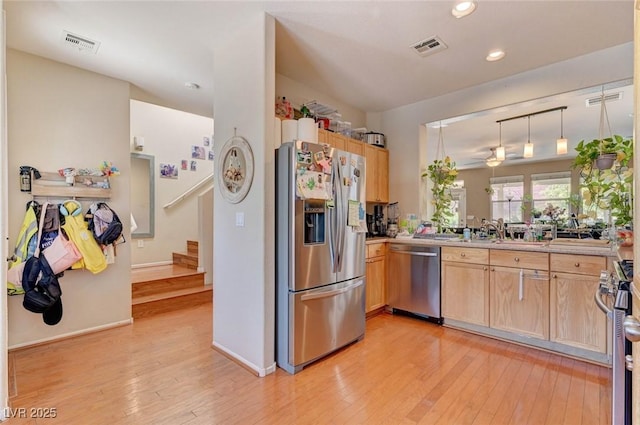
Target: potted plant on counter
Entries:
(442, 173)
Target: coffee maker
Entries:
(378, 220)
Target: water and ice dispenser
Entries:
(314, 221)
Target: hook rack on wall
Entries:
(53, 185)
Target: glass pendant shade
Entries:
(561, 146)
(500, 153)
(528, 150)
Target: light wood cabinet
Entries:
(323, 136)
(376, 274)
(519, 286)
(337, 141)
(355, 146)
(575, 319)
(377, 179)
(465, 285)
(520, 301)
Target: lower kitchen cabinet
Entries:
(376, 273)
(520, 301)
(465, 285)
(575, 318)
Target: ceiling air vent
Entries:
(429, 46)
(82, 43)
(593, 101)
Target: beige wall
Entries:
(476, 180)
(61, 116)
(169, 135)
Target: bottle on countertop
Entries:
(466, 234)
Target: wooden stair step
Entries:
(167, 284)
(171, 301)
(185, 260)
(192, 248)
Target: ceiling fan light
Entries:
(493, 162)
(528, 150)
(500, 153)
(561, 146)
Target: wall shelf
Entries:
(54, 185)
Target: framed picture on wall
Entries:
(198, 152)
(169, 171)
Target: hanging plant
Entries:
(608, 188)
(442, 173)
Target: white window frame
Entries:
(515, 204)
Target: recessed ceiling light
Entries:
(495, 55)
(192, 86)
(463, 8)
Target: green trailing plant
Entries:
(611, 188)
(442, 173)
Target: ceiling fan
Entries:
(492, 159)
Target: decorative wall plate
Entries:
(235, 169)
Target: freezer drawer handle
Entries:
(421, 254)
(327, 294)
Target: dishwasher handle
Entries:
(418, 253)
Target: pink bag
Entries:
(62, 253)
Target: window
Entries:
(595, 214)
(551, 189)
(506, 198)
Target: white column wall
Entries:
(244, 303)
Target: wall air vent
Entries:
(594, 101)
(429, 46)
(82, 43)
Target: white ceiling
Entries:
(356, 51)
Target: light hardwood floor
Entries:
(162, 370)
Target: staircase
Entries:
(159, 289)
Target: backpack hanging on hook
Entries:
(104, 223)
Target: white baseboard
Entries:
(261, 372)
(72, 334)
(143, 265)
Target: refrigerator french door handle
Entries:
(332, 219)
(331, 293)
(341, 223)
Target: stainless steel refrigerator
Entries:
(320, 252)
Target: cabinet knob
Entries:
(555, 276)
(516, 259)
(577, 264)
(493, 269)
(462, 254)
(485, 268)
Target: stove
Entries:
(615, 287)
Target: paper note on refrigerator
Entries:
(353, 218)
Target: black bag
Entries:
(104, 223)
(43, 295)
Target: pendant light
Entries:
(500, 153)
(561, 143)
(528, 148)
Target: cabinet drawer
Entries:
(465, 255)
(375, 249)
(581, 264)
(520, 259)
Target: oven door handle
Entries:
(601, 305)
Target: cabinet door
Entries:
(375, 293)
(323, 136)
(383, 174)
(338, 141)
(465, 292)
(575, 318)
(520, 303)
(355, 146)
(371, 157)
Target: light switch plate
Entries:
(140, 243)
(239, 219)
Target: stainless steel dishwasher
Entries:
(414, 280)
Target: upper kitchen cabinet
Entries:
(354, 146)
(377, 174)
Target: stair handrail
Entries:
(189, 191)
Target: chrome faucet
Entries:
(497, 225)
